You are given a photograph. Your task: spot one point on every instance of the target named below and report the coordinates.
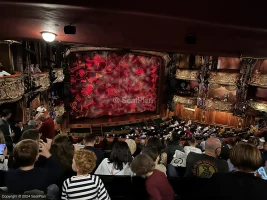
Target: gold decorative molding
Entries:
(59, 75)
(11, 88)
(184, 74)
(185, 100)
(258, 106)
(223, 78)
(218, 105)
(259, 80)
(166, 58)
(41, 79)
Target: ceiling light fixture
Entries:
(48, 36)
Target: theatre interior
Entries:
(120, 70)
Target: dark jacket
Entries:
(237, 186)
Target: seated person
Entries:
(157, 184)
(192, 147)
(118, 163)
(205, 165)
(28, 177)
(84, 185)
(89, 142)
(152, 152)
(34, 135)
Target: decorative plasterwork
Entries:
(223, 78)
(11, 88)
(259, 80)
(183, 74)
(185, 100)
(59, 75)
(218, 105)
(258, 106)
(41, 79)
(166, 58)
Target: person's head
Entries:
(2, 138)
(26, 153)
(32, 134)
(6, 113)
(213, 147)
(32, 123)
(246, 157)
(120, 154)
(142, 165)
(84, 161)
(151, 151)
(265, 146)
(89, 140)
(175, 137)
(156, 142)
(192, 142)
(132, 145)
(63, 150)
(254, 141)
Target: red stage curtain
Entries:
(113, 83)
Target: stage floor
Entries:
(112, 120)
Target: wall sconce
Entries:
(48, 36)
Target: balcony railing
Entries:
(11, 88)
(218, 105)
(223, 78)
(190, 75)
(185, 100)
(41, 79)
(259, 80)
(257, 106)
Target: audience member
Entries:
(89, 142)
(34, 135)
(32, 124)
(132, 145)
(173, 146)
(84, 185)
(3, 154)
(6, 129)
(118, 163)
(242, 184)
(28, 177)
(192, 147)
(152, 152)
(47, 128)
(156, 142)
(63, 150)
(17, 128)
(205, 165)
(157, 184)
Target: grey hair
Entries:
(32, 123)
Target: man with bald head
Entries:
(206, 164)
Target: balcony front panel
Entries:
(259, 80)
(183, 74)
(223, 78)
(185, 100)
(218, 105)
(11, 88)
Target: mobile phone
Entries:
(2, 148)
(262, 172)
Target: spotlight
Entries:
(48, 36)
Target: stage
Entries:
(106, 121)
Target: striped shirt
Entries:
(89, 187)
